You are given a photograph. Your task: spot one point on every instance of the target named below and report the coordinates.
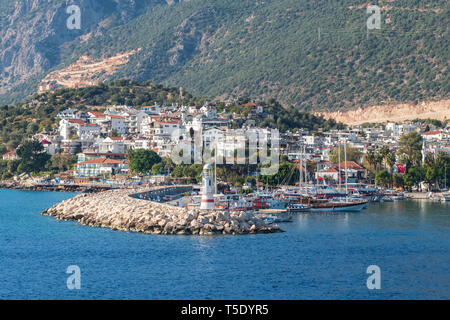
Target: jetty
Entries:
(20, 185)
(130, 210)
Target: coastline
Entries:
(122, 209)
(19, 185)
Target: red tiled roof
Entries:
(104, 154)
(116, 138)
(78, 121)
(429, 133)
(351, 165)
(167, 122)
(97, 114)
(102, 160)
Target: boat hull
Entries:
(338, 207)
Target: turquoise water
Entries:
(321, 256)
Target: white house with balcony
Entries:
(112, 145)
(100, 166)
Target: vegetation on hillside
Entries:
(309, 54)
(20, 121)
(273, 49)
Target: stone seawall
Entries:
(13, 185)
(122, 210)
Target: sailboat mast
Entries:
(346, 171)
(306, 167)
(339, 162)
(300, 164)
(215, 170)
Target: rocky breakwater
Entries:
(117, 210)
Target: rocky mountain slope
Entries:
(34, 37)
(311, 54)
(439, 110)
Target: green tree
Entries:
(32, 157)
(383, 177)
(390, 160)
(62, 161)
(398, 181)
(114, 133)
(158, 168)
(142, 160)
(443, 169)
(353, 154)
(388, 157)
(410, 148)
(370, 159)
(414, 177)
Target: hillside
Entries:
(39, 112)
(233, 48)
(396, 113)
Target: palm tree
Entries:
(384, 153)
(390, 160)
(370, 158)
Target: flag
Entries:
(401, 168)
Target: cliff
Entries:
(439, 110)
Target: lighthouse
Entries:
(207, 188)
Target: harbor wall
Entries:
(124, 210)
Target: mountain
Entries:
(314, 55)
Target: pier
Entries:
(158, 194)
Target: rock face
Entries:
(439, 110)
(34, 36)
(117, 210)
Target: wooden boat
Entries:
(298, 208)
(334, 206)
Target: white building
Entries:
(112, 145)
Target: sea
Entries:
(393, 250)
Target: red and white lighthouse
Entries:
(207, 188)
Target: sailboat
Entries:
(340, 204)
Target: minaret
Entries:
(207, 188)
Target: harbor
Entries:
(181, 210)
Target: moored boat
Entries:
(334, 206)
(298, 208)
